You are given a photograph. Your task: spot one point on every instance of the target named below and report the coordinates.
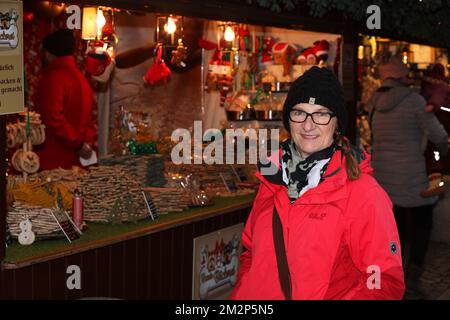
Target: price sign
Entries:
(66, 225)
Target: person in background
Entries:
(399, 124)
(436, 91)
(321, 227)
(65, 102)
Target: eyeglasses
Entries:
(321, 118)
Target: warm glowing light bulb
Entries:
(229, 34)
(170, 27)
(101, 21)
(360, 52)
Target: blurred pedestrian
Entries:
(399, 124)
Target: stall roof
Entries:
(238, 11)
(299, 18)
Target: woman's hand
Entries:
(86, 151)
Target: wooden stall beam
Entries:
(3, 208)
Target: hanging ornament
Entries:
(158, 71)
(97, 59)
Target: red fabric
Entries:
(96, 64)
(65, 102)
(206, 44)
(332, 233)
(158, 71)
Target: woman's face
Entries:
(308, 136)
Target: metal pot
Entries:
(269, 115)
(246, 114)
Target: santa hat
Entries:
(307, 56)
(96, 63)
(104, 77)
(321, 49)
(282, 52)
(158, 71)
(281, 47)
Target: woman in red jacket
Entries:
(65, 102)
(321, 227)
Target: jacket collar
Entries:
(333, 188)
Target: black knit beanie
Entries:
(317, 86)
(60, 43)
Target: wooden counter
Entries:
(147, 260)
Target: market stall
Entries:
(373, 51)
(136, 222)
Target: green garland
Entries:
(427, 19)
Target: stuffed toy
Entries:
(97, 59)
(314, 55)
(219, 76)
(320, 50)
(283, 53)
(307, 56)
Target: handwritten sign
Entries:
(11, 57)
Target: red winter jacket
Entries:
(334, 234)
(65, 102)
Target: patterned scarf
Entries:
(300, 175)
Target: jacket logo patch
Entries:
(317, 216)
(393, 247)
